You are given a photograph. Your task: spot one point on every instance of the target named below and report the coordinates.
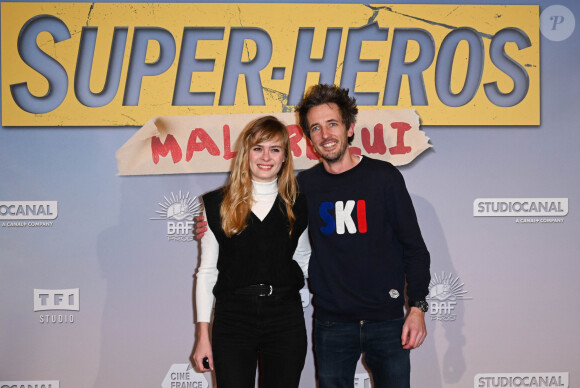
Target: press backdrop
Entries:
(97, 282)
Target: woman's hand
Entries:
(203, 348)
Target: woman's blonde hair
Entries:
(237, 203)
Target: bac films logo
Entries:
(28, 213)
(444, 292)
(179, 211)
(526, 210)
(63, 301)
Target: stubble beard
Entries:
(330, 158)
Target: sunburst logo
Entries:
(444, 291)
(179, 207)
(179, 210)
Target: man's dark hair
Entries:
(326, 94)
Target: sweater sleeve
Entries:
(302, 252)
(206, 275)
(416, 258)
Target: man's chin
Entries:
(330, 159)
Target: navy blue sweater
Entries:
(366, 242)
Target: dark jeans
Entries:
(339, 345)
(268, 328)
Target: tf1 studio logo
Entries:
(56, 300)
(179, 210)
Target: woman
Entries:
(255, 224)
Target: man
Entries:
(366, 246)
(366, 243)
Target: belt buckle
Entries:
(270, 291)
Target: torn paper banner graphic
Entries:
(202, 144)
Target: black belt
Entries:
(262, 290)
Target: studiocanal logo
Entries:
(28, 213)
(30, 384)
(178, 211)
(56, 300)
(444, 292)
(522, 380)
(526, 210)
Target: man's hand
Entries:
(414, 329)
(200, 227)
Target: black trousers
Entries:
(270, 329)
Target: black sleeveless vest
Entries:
(261, 253)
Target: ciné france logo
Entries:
(28, 213)
(183, 375)
(179, 211)
(444, 292)
(56, 300)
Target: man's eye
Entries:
(314, 129)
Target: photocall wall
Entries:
(116, 118)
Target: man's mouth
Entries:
(329, 144)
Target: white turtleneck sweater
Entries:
(264, 195)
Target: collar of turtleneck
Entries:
(264, 196)
(265, 188)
